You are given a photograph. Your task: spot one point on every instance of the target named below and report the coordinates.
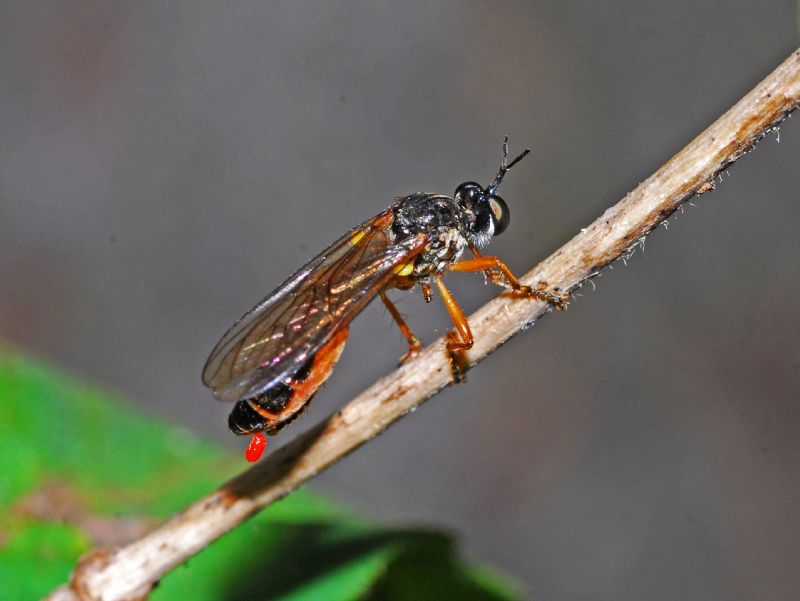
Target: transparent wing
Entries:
(288, 326)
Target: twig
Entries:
(129, 572)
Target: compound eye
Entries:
(469, 191)
(500, 213)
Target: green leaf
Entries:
(80, 468)
(36, 553)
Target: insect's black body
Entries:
(244, 419)
(443, 223)
(273, 360)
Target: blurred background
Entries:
(165, 165)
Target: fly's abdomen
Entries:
(282, 402)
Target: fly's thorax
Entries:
(443, 222)
(442, 251)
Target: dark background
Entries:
(164, 165)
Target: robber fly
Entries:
(273, 360)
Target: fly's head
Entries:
(491, 214)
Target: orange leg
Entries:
(475, 252)
(461, 339)
(480, 263)
(414, 345)
(426, 292)
(493, 275)
(465, 338)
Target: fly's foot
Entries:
(414, 349)
(558, 300)
(455, 356)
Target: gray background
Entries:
(164, 165)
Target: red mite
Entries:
(273, 360)
(256, 447)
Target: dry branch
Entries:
(129, 572)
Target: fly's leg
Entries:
(480, 263)
(427, 295)
(492, 275)
(414, 345)
(459, 340)
(462, 339)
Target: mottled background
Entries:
(164, 165)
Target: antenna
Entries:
(505, 167)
